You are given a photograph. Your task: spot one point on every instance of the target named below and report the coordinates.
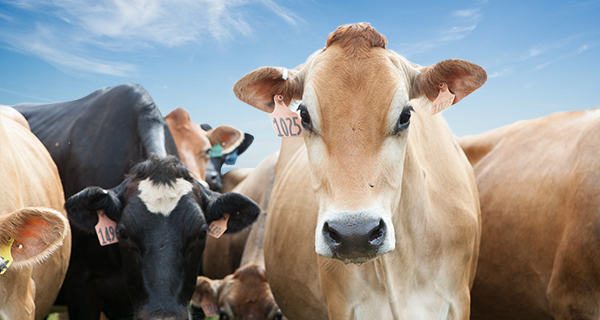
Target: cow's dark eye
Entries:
(122, 233)
(404, 119)
(305, 117)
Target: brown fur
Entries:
(193, 142)
(32, 194)
(539, 184)
(356, 38)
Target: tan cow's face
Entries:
(355, 111)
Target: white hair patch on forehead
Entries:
(163, 198)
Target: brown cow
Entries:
(394, 216)
(32, 215)
(194, 144)
(245, 294)
(539, 184)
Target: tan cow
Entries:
(32, 215)
(539, 184)
(395, 214)
(194, 143)
(245, 294)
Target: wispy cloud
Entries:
(70, 32)
(571, 54)
(499, 73)
(24, 95)
(466, 21)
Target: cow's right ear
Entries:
(258, 87)
(35, 232)
(82, 207)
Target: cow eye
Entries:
(122, 233)
(404, 119)
(305, 117)
(207, 152)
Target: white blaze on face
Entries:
(161, 198)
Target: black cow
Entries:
(161, 213)
(213, 168)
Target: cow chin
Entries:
(354, 237)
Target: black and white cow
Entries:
(161, 212)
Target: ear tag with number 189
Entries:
(285, 121)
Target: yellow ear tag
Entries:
(6, 256)
(443, 101)
(285, 121)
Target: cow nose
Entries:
(212, 178)
(349, 240)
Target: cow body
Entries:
(32, 213)
(540, 204)
(95, 141)
(391, 206)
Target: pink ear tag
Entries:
(209, 308)
(285, 121)
(443, 101)
(106, 229)
(218, 227)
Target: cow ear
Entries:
(82, 207)
(36, 233)
(241, 209)
(229, 137)
(258, 87)
(248, 139)
(462, 78)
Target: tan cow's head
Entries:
(244, 294)
(357, 99)
(195, 144)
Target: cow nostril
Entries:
(332, 234)
(376, 236)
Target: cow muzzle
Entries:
(354, 238)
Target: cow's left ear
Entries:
(462, 78)
(35, 232)
(228, 136)
(241, 209)
(82, 208)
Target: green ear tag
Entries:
(5, 256)
(217, 150)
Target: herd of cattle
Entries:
(376, 212)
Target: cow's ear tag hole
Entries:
(218, 227)
(217, 150)
(209, 307)
(6, 258)
(285, 122)
(106, 229)
(443, 101)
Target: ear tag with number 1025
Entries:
(285, 121)
(106, 229)
(6, 256)
(444, 99)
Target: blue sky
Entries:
(541, 56)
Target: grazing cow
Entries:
(33, 223)
(539, 187)
(96, 141)
(394, 218)
(195, 146)
(245, 294)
